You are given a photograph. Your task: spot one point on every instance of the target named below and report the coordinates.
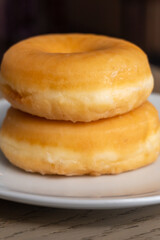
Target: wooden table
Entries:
(25, 222)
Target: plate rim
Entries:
(78, 203)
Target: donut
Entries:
(76, 77)
(107, 146)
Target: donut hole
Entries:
(70, 44)
(68, 49)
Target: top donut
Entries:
(76, 77)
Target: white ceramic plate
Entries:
(136, 188)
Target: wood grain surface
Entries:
(25, 222)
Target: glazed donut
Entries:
(76, 77)
(108, 146)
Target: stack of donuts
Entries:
(79, 106)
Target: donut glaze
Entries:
(76, 77)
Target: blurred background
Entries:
(135, 20)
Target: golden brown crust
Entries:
(106, 146)
(91, 77)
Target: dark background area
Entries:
(135, 20)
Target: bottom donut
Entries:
(108, 146)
